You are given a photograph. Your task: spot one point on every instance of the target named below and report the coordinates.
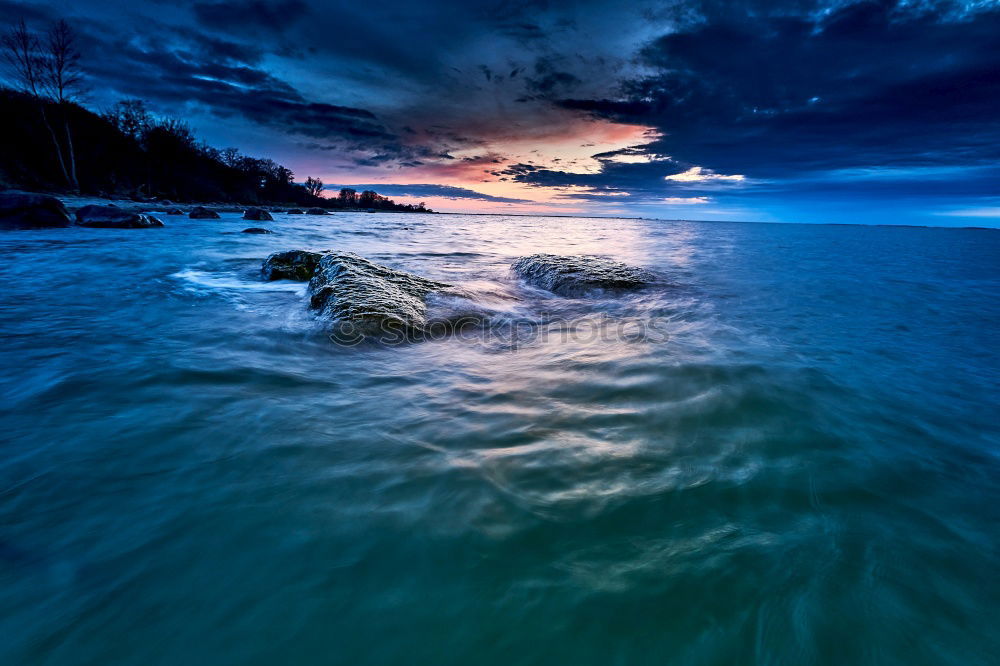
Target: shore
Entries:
(76, 202)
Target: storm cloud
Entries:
(660, 104)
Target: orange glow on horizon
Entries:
(568, 147)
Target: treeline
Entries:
(52, 143)
(371, 200)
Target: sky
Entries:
(871, 111)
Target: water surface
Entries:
(799, 467)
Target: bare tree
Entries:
(131, 118)
(230, 157)
(23, 53)
(63, 80)
(314, 186)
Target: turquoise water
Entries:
(799, 467)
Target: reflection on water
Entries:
(799, 469)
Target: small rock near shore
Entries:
(295, 211)
(23, 210)
(113, 217)
(202, 213)
(257, 214)
(316, 211)
(175, 211)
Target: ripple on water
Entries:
(189, 461)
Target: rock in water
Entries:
(258, 215)
(175, 211)
(576, 275)
(21, 210)
(202, 213)
(295, 211)
(316, 211)
(113, 217)
(292, 265)
(370, 298)
(257, 230)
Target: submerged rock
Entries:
(22, 210)
(291, 265)
(202, 213)
(257, 230)
(295, 211)
(316, 211)
(574, 275)
(113, 217)
(369, 297)
(175, 211)
(257, 214)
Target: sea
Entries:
(786, 451)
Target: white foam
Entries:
(227, 282)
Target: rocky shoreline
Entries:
(28, 210)
(361, 298)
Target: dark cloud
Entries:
(549, 78)
(218, 76)
(266, 15)
(867, 83)
(201, 46)
(228, 90)
(796, 95)
(645, 178)
(11, 11)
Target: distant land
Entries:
(127, 152)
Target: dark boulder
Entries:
(370, 298)
(291, 265)
(295, 211)
(175, 211)
(316, 211)
(257, 230)
(257, 215)
(577, 275)
(113, 217)
(22, 210)
(202, 213)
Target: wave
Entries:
(225, 283)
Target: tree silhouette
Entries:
(63, 80)
(230, 157)
(128, 150)
(314, 186)
(24, 56)
(131, 118)
(348, 198)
